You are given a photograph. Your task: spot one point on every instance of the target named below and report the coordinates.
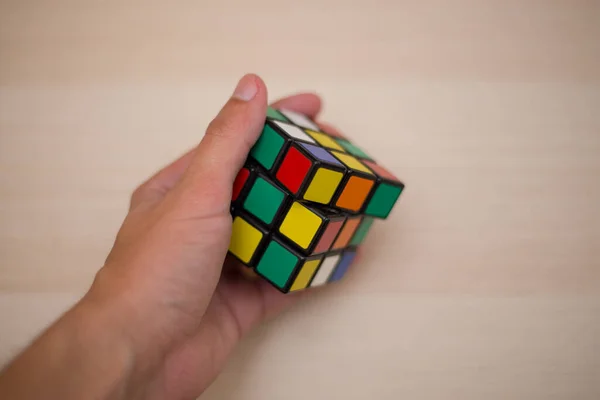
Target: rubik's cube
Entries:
(304, 202)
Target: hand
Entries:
(168, 295)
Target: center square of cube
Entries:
(310, 172)
(264, 199)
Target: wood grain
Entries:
(485, 283)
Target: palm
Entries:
(237, 305)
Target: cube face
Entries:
(323, 185)
(306, 273)
(383, 200)
(353, 149)
(264, 200)
(342, 266)
(278, 264)
(361, 232)
(325, 140)
(285, 268)
(293, 170)
(267, 148)
(293, 132)
(325, 270)
(385, 195)
(355, 193)
(347, 232)
(299, 119)
(274, 114)
(329, 235)
(246, 239)
(239, 183)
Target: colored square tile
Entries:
(327, 266)
(325, 140)
(351, 162)
(382, 172)
(300, 119)
(267, 147)
(328, 236)
(294, 132)
(362, 231)
(238, 184)
(277, 264)
(321, 154)
(244, 239)
(342, 267)
(383, 200)
(300, 225)
(293, 169)
(305, 275)
(323, 185)
(353, 149)
(274, 114)
(347, 232)
(355, 193)
(264, 200)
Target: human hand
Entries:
(168, 306)
(186, 310)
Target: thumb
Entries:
(226, 144)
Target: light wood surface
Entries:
(485, 283)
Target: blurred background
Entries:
(485, 282)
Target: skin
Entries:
(168, 307)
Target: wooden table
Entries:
(485, 283)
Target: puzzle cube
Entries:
(304, 202)
(320, 168)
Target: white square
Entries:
(325, 270)
(300, 120)
(294, 132)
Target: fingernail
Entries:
(246, 88)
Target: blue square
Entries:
(321, 154)
(342, 267)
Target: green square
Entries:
(352, 149)
(267, 147)
(264, 200)
(362, 231)
(274, 114)
(383, 200)
(277, 264)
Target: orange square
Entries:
(355, 193)
(346, 233)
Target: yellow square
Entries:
(325, 140)
(323, 185)
(244, 239)
(300, 225)
(351, 162)
(307, 271)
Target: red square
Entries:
(239, 182)
(293, 169)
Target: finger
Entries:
(155, 188)
(308, 104)
(227, 142)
